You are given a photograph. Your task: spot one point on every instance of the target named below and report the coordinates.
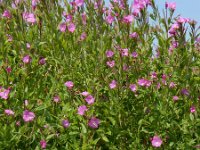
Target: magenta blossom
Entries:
(28, 45)
(185, 92)
(109, 53)
(26, 102)
(71, 27)
(62, 27)
(85, 93)
(128, 19)
(133, 87)
(192, 109)
(68, 17)
(170, 5)
(65, 123)
(94, 123)
(111, 63)
(135, 54)
(28, 116)
(4, 93)
(110, 19)
(172, 85)
(113, 84)
(10, 38)
(8, 69)
(133, 35)
(79, 3)
(43, 144)
(83, 36)
(6, 14)
(82, 109)
(124, 52)
(153, 75)
(42, 61)
(26, 59)
(175, 98)
(183, 20)
(144, 82)
(156, 141)
(90, 99)
(56, 99)
(69, 84)
(9, 112)
(29, 17)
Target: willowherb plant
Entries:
(83, 74)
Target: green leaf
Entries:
(104, 138)
(112, 120)
(191, 117)
(84, 130)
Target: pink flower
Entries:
(28, 116)
(79, 3)
(172, 85)
(56, 99)
(42, 61)
(182, 20)
(18, 123)
(170, 5)
(28, 46)
(125, 67)
(133, 87)
(71, 27)
(113, 84)
(62, 27)
(185, 92)
(65, 123)
(10, 38)
(90, 99)
(85, 93)
(192, 109)
(158, 86)
(26, 59)
(43, 144)
(133, 35)
(94, 123)
(124, 52)
(111, 63)
(29, 17)
(83, 36)
(128, 19)
(82, 109)
(144, 82)
(4, 94)
(173, 29)
(156, 141)
(9, 112)
(7, 14)
(153, 75)
(109, 53)
(109, 19)
(8, 69)
(26, 102)
(135, 54)
(69, 84)
(68, 17)
(175, 98)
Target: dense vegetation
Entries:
(85, 75)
